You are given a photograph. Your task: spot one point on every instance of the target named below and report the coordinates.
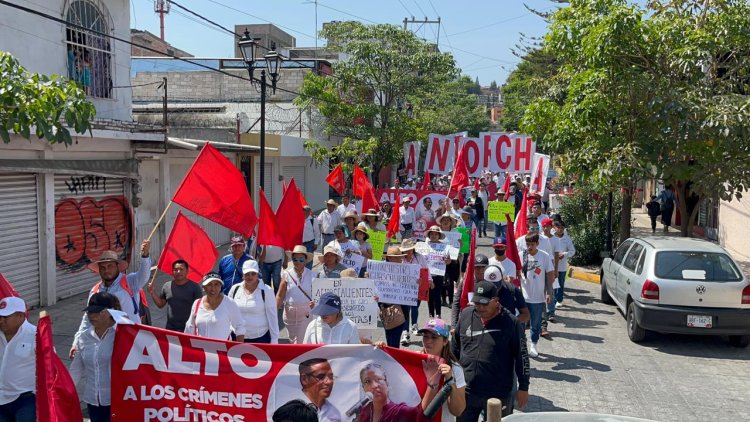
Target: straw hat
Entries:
(435, 229)
(108, 256)
(360, 229)
(330, 249)
(332, 202)
(372, 213)
(351, 214)
(453, 219)
(394, 251)
(407, 245)
(300, 249)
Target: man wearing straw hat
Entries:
(328, 219)
(126, 288)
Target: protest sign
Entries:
(435, 254)
(377, 241)
(356, 295)
(465, 239)
(497, 209)
(353, 261)
(452, 238)
(493, 151)
(170, 376)
(396, 283)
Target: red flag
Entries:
(460, 178)
(395, 223)
(476, 184)
(188, 241)
(511, 251)
(521, 227)
(56, 396)
(291, 213)
(283, 187)
(506, 187)
(215, 189)
(426, 181)
(268, 228)
(468, 285)
(362, 187)
(336, 179)
(6, 289)
(538, 177)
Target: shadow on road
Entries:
(554, 375)
(540, 404)
(567, 364)
(587, 311)
(583, 299)
(712, 347)
(578, 337)
(573, 322)
(569, 290)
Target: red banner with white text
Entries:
(160, 375)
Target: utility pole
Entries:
(422, 23)
(162, 8)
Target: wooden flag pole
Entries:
(158, 222)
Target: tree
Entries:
(368, 99)
(650, 93)
(46, 105)
(536, 76)
(493, 86)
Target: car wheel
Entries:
(605, 297)
(739, 341)
(636, 333)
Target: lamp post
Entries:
(248, 46)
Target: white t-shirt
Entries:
(543, 244)
(554, 245)
(296, 285)
(534, 281)
(318, 332)
(18, 363)
(273, 254)
(458, 376)
(343, 209)
(508, 267)
(217, 323)
(258, 313)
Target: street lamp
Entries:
(248, 46)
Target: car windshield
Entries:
(704, 266)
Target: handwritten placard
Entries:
(353, 261)
(377, 240)
(497, 209)
(396, 283)
(435, 254)
(357, 298)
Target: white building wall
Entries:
(734, 227)
(39, 45)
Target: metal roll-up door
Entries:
(19, 234)
(92, 215)
(218, 233)
(267, 181)
(298, 174)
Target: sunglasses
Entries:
(298, 259)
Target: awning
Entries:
(194, 144)
(103, 168)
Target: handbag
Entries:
(392, 316)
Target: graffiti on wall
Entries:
(78, 185)
(86, 227)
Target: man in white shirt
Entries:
(328, 219)
(538, 275)
(311, 233)
(554, 249)
(317, 379)
(533, 226)
(536, 209)
(330, 326)
(346, 205)
(501, 260)
(566, 250)
(407, 218)
(17, 362)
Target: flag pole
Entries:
(158, 222)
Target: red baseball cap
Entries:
(547, 222)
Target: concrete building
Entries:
(269, 37)
(145, 38)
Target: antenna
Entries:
(162, 8)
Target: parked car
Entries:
(677, 285)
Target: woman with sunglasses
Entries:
(295, 294)
(435, 342)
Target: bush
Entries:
(585, 215)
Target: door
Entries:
(19, 234)
(298, 174)
(92, 215)
(627, 274)
(613, 269)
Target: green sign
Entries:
(377, 241)
(465, 239)
(497, 209)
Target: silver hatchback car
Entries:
(677, 285)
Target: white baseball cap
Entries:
(494, 274)
(250, 266)
(10, 305)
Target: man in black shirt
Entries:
(178, 295)
(490, 345)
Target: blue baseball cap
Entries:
(499, 241)
(328, 304)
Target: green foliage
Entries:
(585, 215)
(46, 105)
(365, 101)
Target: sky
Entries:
(481, 35)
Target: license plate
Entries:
(699, 321)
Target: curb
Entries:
(583, 275)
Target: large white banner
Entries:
(357, 298)
(493, 151)
(396, 283)
(539, 173)
(412, 152)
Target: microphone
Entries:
(364, 401)
(440, 398)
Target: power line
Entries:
(347, 13)
(202, 17)
(259, 18)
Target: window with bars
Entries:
(90, 61)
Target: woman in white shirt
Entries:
(435, 342)
(331, 326)
(257, 304)
(295, 294)
(215, 315)
(93, 360)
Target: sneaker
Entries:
(532, 350)
(552, 319)
(404, 338)
(414, 330)
(545, 333)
